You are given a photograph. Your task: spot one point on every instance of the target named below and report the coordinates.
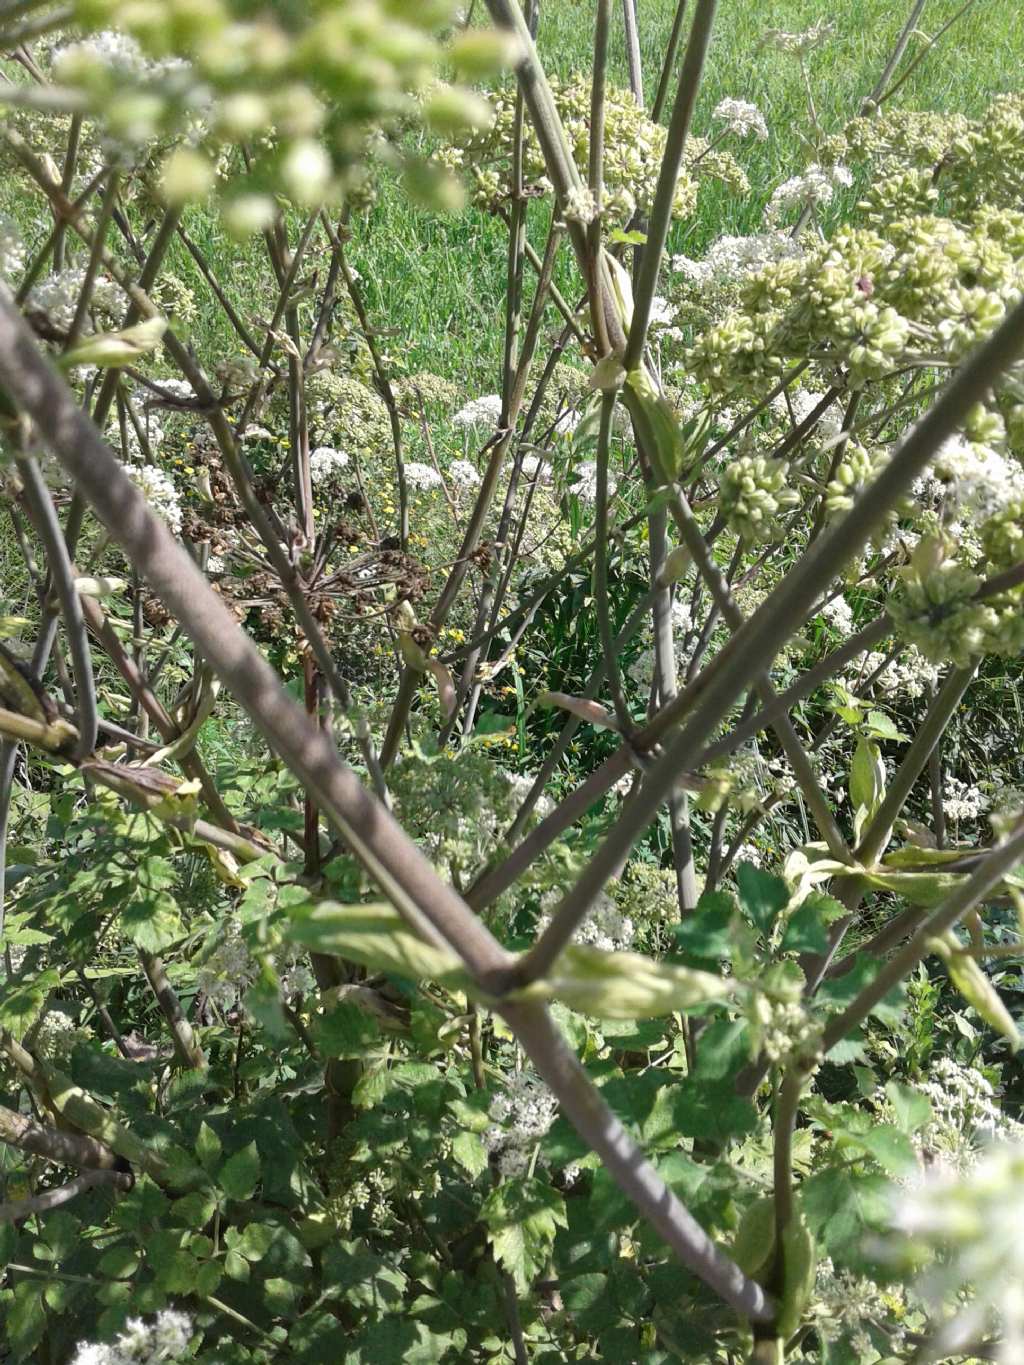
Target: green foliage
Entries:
(323, 1138)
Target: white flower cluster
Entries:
(605, 926)
(56, 1035)
(536, 467)
(663, 315)
(797, 405)
(141, 1343)
(294, 974)
(909, 676)
(479, 412)
(741, 117)
(522, 1114)
(839, 614)
(844, 1303)
(422, 477)
(57, 296)
(962, 801)
(12, 249)
(580, 206)
(965, 1113)
(227, 972)
(159, 491)
(179, 390)
(730, 259)
(816, 186)
(463, 475)
(981, 480)
(748, 853)
(969, 1223)
(118, 50)
(521, 784)
(325, 462)
(584, 484)
(799, 44)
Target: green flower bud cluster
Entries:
(634, 146)
(1002, 536)
(784, 1031)
(1015, 427)
(869, 303)
(915, 157)
(310, 88)
(935, 609)
(900, 139)
(879, 339)
(911, 193)
(343, 407)
(429, 389)
(986, 163)
(753, 492)
(858, 469)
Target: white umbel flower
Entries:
(159, 491)
(816, 186)
(422, 477)
(141, 1343)
(325, 462)
(463, 475)
(479, 412)
(12, 249)
(741, 118)
(730, 259)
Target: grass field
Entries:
(436, 283)
(440, 281)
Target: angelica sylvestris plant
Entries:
(521, 865)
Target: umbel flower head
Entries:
(963, 1230)
(141, 1343)
(634, 146)
(754, 492)
(310, 88)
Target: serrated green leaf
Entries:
(240, 1174)
(710, 932)
(912, 1109)
(22, 1002)
(880, 726)
(152, 922)
(891, 1148)
(256, 1240)
(208, 1147)
(807, 927)
(521, 1217)
(119, 1263)
(763, 896)
(469, 1152)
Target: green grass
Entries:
(436, 283)
(440, 281)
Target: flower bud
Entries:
(306, 172)
(247, 214)
(450, 111)
(186, 176)
(479, 53)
